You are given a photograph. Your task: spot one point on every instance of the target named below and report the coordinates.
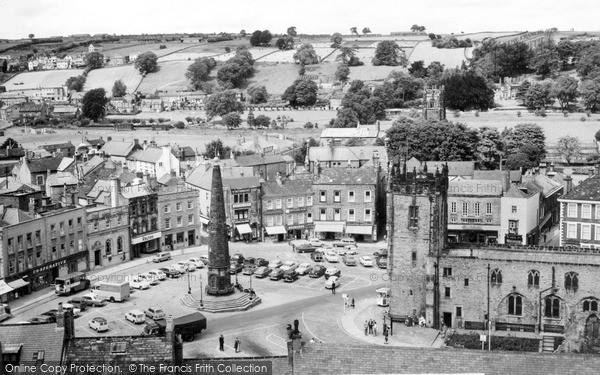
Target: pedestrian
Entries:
(222, 343)
(385, 334)
(370, 327)
(385, 327)
(352, 302)
(333, 287)
(236, 346)
(366, 327)
(374, 328)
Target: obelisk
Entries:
(219, 279)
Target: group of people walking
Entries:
(237, 344)
(371, 329)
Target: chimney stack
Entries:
(146, 178)
(278, 179)
(569, 182)
(32, 207)
(115, 189)
(60, 316)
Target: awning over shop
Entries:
(276, 230)
(329, 227)
(204, 220)
(18, 283)
(358, 229)
(4, 288)
(243, 228)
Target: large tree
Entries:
(588, 63)
(237, 69)
(367, 106)
(590, 93)
(216, 149)
(348, 57)
(119, 89)
(389, 53)
(285, 43)
(232, 120)
(342, 73)
(93, 105)
(261, 38)
(336, 40)
(525, 138)
(199, 71)
(147, 62)
(302, 92)
(346, 118)
(306, 55)
(291, 31)
(94, 60)
(399, 88)
(464, 90)
(222, 103)
(489, 148)
(545, 60)
(539, 95)
(565, 90)
(258, 94)
(569, 148)
(76, 83)
(498, 60)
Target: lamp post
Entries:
(189, 285)
(488, 310)
(201, 292)
(251, 291)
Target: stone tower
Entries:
(417, 232)
(433, 103)
(219, 280)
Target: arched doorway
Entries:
(592, 327)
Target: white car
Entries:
(70, 307)
(304, 268)
(287, 265)
(366, 261)
(189, 266)
(139, 283)
(99, 324)
(136, 316)
(92, 299)
(315, 242)
(178, 267)
(331, 280)
(197, 262)
(153, 280)
(332, 271)
(158, 274)
(331, 257)
(340, 251)
(350, 250)
(275, 263)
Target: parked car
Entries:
(189, 266)
(261, 262)
(304, 268)
(173, 274)
(178, 267)
(331, 257)
(331, 280)
(366, 261)
(78, 302)
(92, 299)
(139, 283)
(276, 274)
(197, 262)
(153, 280)
(332, 271)
(51, 313)
(262, 272)
(304, 248)
(287, 265)
(136, 316)
(317, 271)
(344, 242)
(204, 259)
(349, 249)
(317, 256)
(158, 274)
(43, 319)
(290, 276)
(70, 307)
(249, 260)
(381, 253)
(235, 268)
(99, 324)
(155, 313)
(238, 258)
(161, 257)
(381, 262)
(315, 242)
(275, 263)
(249, 269)
(349, 260)
(340, 251)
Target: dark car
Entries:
(304, 248)
(235, 268)
(290, 276)
(78, 302)
(317, 256)
(381, 262)
(277, 274)
(173, 274)
(317, 271)
(237, 258)
(249, 260)
(260, 262)
(249, 269)
(43, 319)
(262, 272)
(380, 253)
(51, 313)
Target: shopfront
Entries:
(277, 233)
(243, 232)
(329, 230)
(147, 243)
(361, 232)
(295, 231)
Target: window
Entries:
(572, 210)
(269, 205)
(240, 214)
(351, 216)
(597, 233)
(598, 211)
(447, 292)
(351, 196)
(368, 196)
(309, 218)
(120, 245)
(414, 257)
(571, 230)
(95, 225)
(413, 216)
(179, 237)
(143, 208)
(108, 247)
(70, 223)
(323, 214)
(153, 224)
(322, 196)
(590, 304)
(279, 220)
(290, 219)
(300, 218)
(135, 227)
(290, 203)
(178, 206)
(552, 307)
(515, 305)
(466, 282)
(458, 311)
(447, 272)
(300, 201)
(513, 209)
(167, 208)
(368, 216)
(241, 198)
(477, 213)
(39, 180)
(53, 229)
(167, 223)
(278, 204)
(488, 208)
(513, 226)
(453, 207)
(269, 221)
(309, 201)
(571, 281)
(586, 231)
(337, 196)
(496, 277)
(586, 211)
(533, 279)
(190, 205)
(190, 219)
(107, 224)
(465, 208)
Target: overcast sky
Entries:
(19, 18)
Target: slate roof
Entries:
(547, 185)
(44, 164)
(202, 177)
(55, 146)
(297, 187)
(256, 160)
(11, 153)
(118, 148)
(65, 163)
(514, 176)
(92, 164)
(96, 142)
(346, 176)
(587, 190)
(34, 337)
(149, 155)
(61, 178)
(455, 168)
(515, 192)
(14, 216)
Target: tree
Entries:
(522, 90)
(588, 63)
(431, 36)
(147, 63)
(255, 38)
(353, 30)
(199, 71)
(250, 119)
(348, 57)
(258, 94)
(237, 69)
(265, 38)
(590, 93)
(302, 92)
(414, 28)
(565, 90)
(336, 40)
(285, 43)
(306, 55)
(435, 70)
(466, 90)
(232, 120)
(539, 95)
(417, 69)
(545, 60)
(389, 53)
(262, 121)
(342, 73)
(498, 60)
(222, 103)
(291, 31)
(9, 143)
(489, 148)
(94, 60)
(519, 160)
(31, 36)
(569, 148)
(526, 138)
(346, 118)
(366, 31)
(94, 104)
(243, 32)
(216, 149)
(367, 106)
(398, 88)
(119, 89)
(76, 83)
(300, 155)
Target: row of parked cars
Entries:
(152, 277)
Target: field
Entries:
(105, 78)
(171, 76)
(450, 58)
(47, 78)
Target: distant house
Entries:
(65, 110)
(65, 149)
(133, 56)
(119, 151)
(152, 105)
(156, 161)
(116, 60)
(36, 171)
(265, 167)
(121, 105)
(78, 62)
(63, 64)
(94, 48)
(56, 183)
(31, 110)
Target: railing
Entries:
(500, 326)
(480, 326)
(503, 247)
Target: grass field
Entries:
(46, 78)
(171, 76)
(451, 58)
(105, 78)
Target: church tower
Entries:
(417, 233)
(433, 103)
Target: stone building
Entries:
(433, 103)
(287, 209)
(178, 216)
(580, 215)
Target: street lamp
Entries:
(201, 292)
(251, 291)
(189, 285)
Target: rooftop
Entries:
(255, 160)
(346, 176)
(44, 164)
(296, 187)
(149, 155)
(587, 190)
(34, 338)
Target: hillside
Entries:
(47, 78)
(106, 78)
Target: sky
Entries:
(44, 18)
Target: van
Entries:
(349, 260)
(317, 256)
(136, 316)
(155, 313)
(161, 257)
